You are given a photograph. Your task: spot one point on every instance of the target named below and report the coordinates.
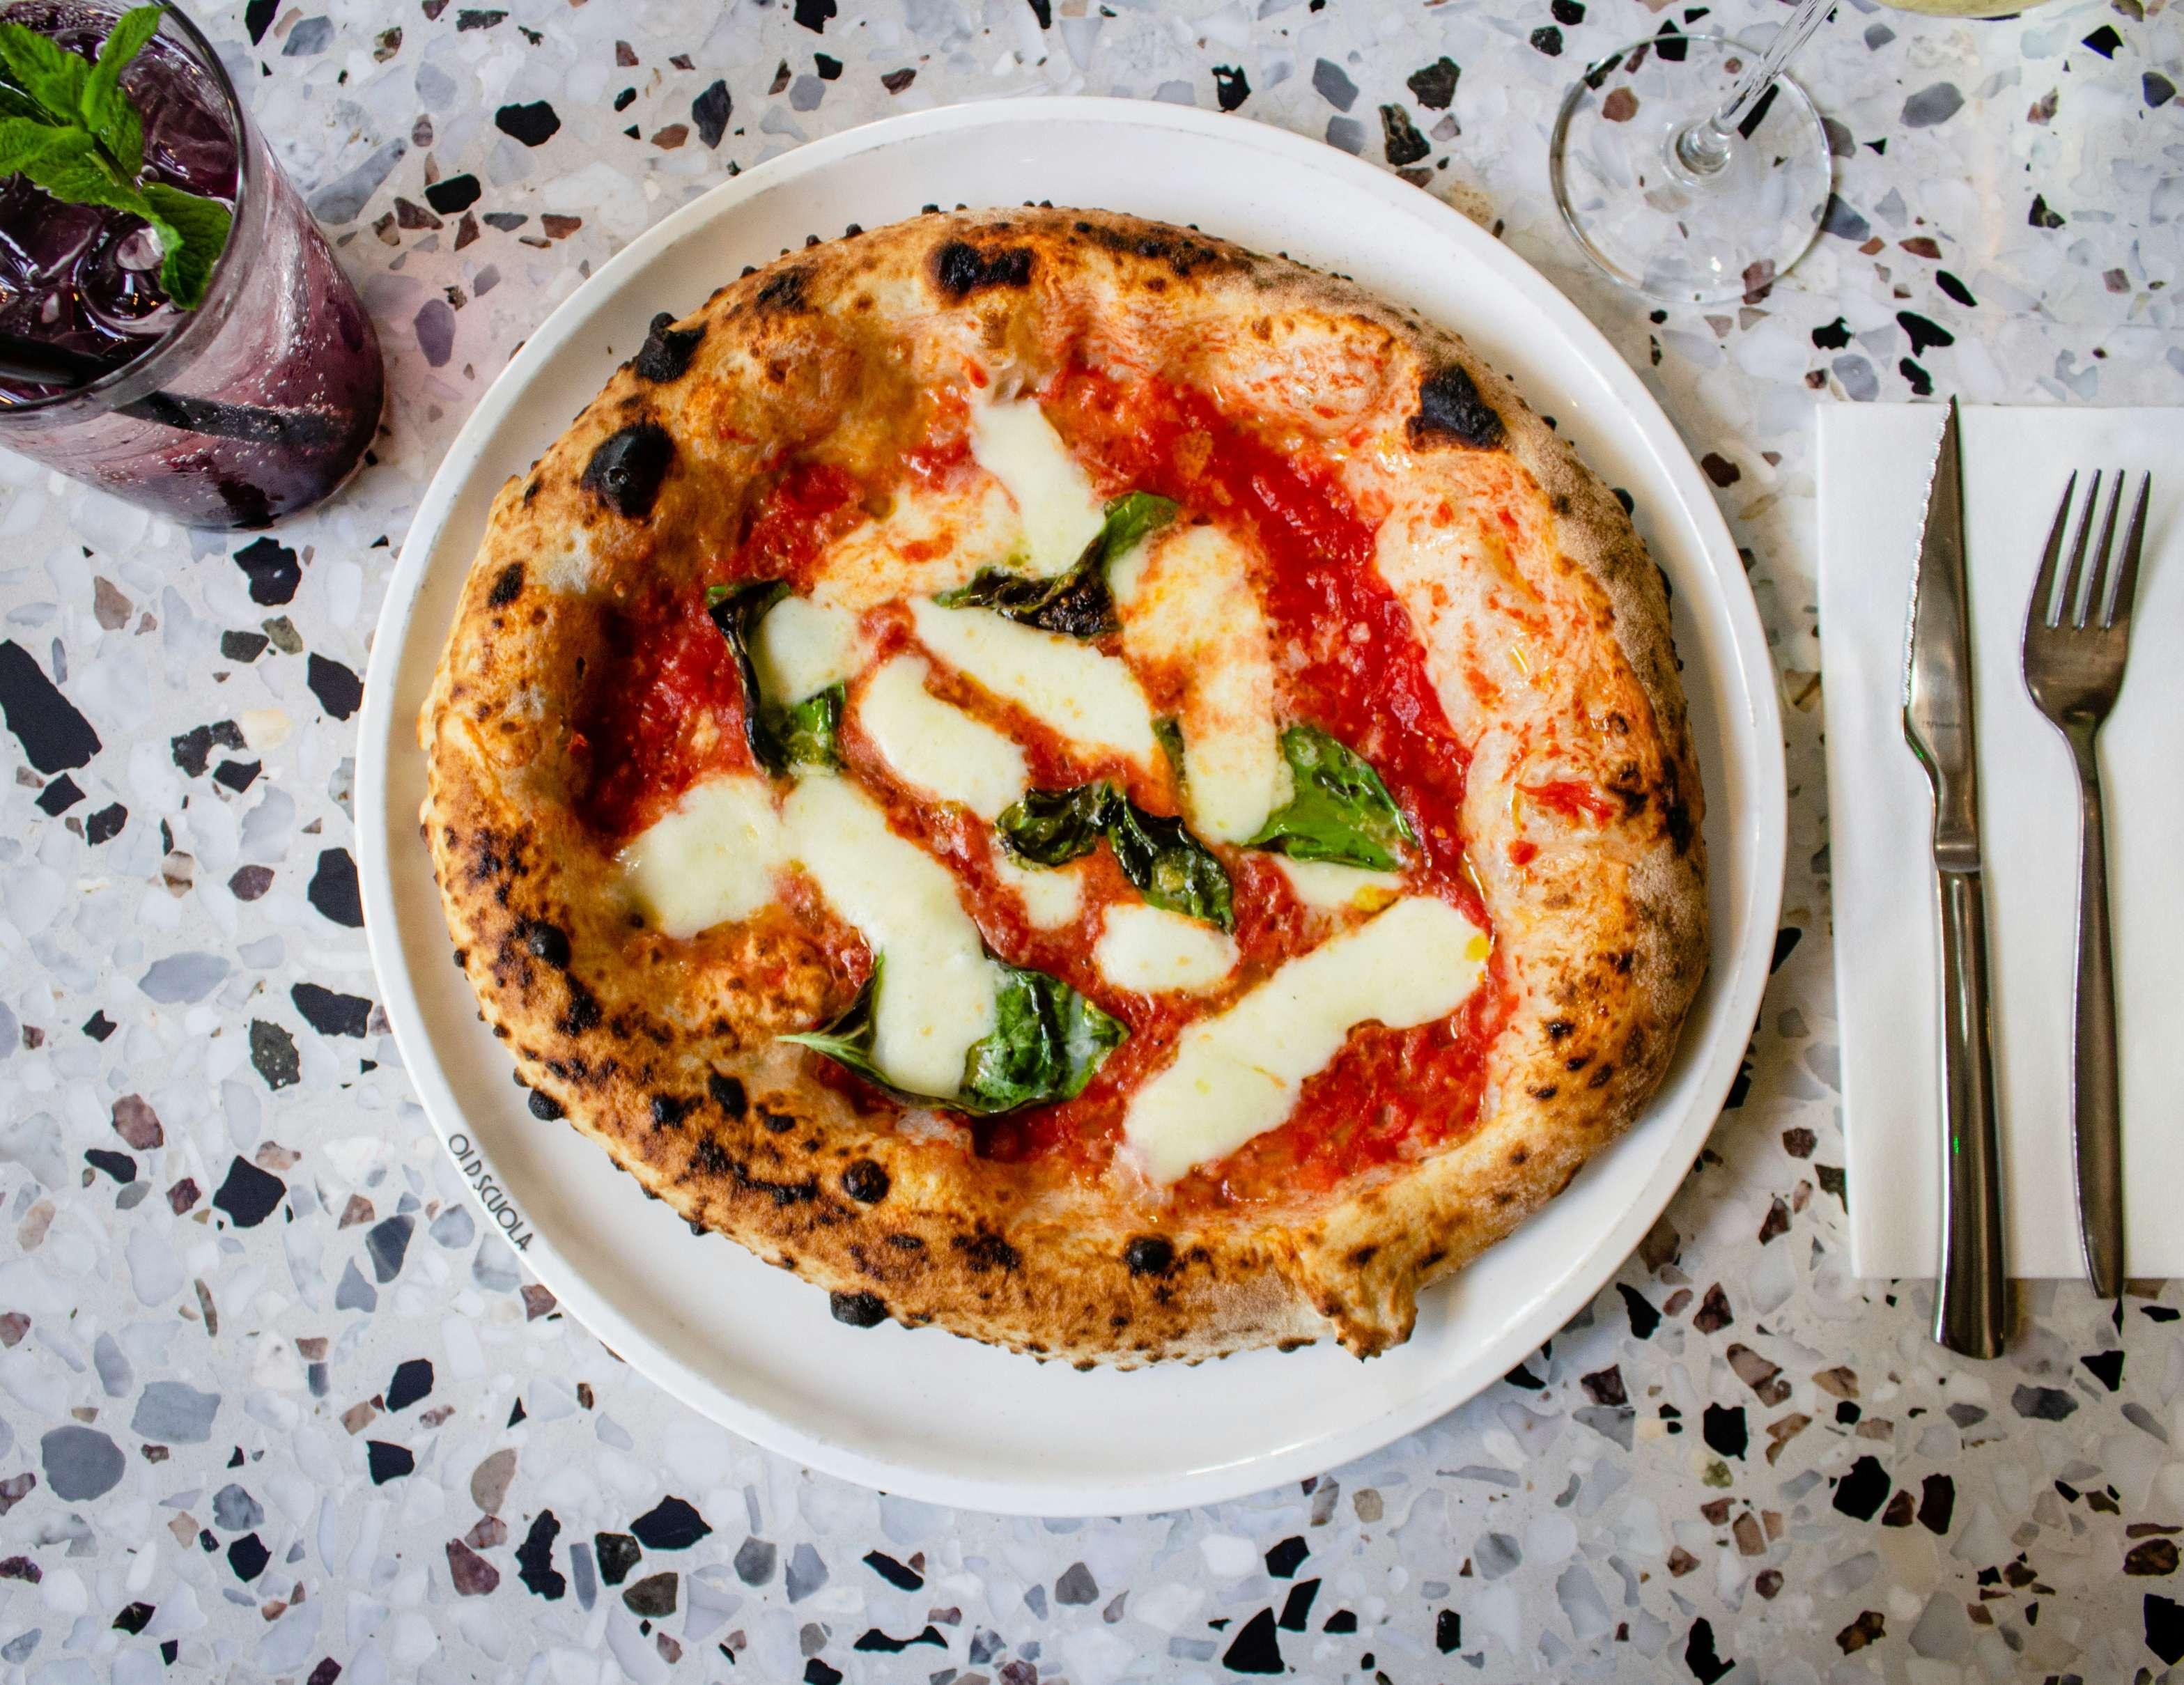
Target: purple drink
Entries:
(259, 403)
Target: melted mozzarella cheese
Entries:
(935, 747)
(1017, 445)
(1329, 886)
(710, 860)
(928, 542)
(1237, 1074)
(1188, 600)
(802, 647)
(1091, 699)
(1052, 896)
(1148, 950)
(937, 992)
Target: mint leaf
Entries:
(68, 168)
(24, 140)
(15, 103)
(192, 233)
(1342, 811)
(105, 109)
(44, 69)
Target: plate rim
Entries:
(1740, 975)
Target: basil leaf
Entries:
(1342, 811)
(806, 733)
(1077, 602)
(192, 234)
(1047, 1042)
(1168, 734)
(1053, 827)
(1170, 868)
(106, 110)
(44, 69)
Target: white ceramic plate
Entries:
(926, 1414)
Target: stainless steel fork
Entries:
(2076, 638)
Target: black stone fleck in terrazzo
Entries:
(388, 1241)
(896, 81)
(55, 737)
(2042, 1404)
(1547, 39)
(1956, 289)
(193, 749)
(257, 17)
(134, 1618)
(273, 1054)
(2164, 1628)
(755, 1561)
(1567, 13)
(617, 1554)
(1434, 86)
(1334, 85)
(874, 1641)
(248, 1556)
(1860, 1494)
(1923, 333)
(388, 1461)
(2106, 1368)
(2105, 41)
(1256, 1649)
(1724, 1429)
(245, 646)
(60, 796)
(413, 1380)
(829, 69)
(1400, 139)
(816, 1672)
(710, 113)
(272, 570)
(453, 195)
(1043, 10)
(339, 691)
(534, 1558)
(534, 124)
(1231, 87)
(814, 13)
(333, 888)
(1342, 1620)
(1448, 1631)
(119, 1165)
(249, 1194)
(2156, 89)
(1707, 1665)
(105, 825)
(1644, 1318)
(1282, 1560)
(902, 1578)
(98, 1027)
(237, 775)
(1788, 938)
(653, 1596)
(2040, 217)
(1296, 1611)
(1920, 382)
(671, 1524)
(330, 1013)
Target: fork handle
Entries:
(1971, 1307)
(2096, 1098)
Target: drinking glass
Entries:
(260, 402)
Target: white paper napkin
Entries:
(1874, 464)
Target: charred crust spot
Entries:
(507, 586)
(1622, 963)
(545, 1107)
(626, 468)
(530, 491)
(1546, 1092)
(1577, 1061)
(583, 1013)
(1148, 1255)
(1674, 814)
(783, 294)
(865, 1182)
(1599, 1079)
(1560, 1029)
(777, 1123)
(1520, 1156)
(710, 1159)
(668, 1110)
(1451, 412)
(960, 269)
(667, 350)
(1362, 1256)
(547, 942)
(1294, 1343)
(781, 1193)
(984, 1252)
(727, 1094)
(462, 959)
(906, 1243)
(1431, 1259)
(858, 1310)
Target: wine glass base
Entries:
(1654, 226)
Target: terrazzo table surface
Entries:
(277, 1406)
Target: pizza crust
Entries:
(664, 1053)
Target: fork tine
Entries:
(2134, 541)
(2066, 606)
(2041, 612)
(2095, 613)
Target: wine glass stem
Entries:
(1704, 148)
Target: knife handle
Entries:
(1971, 1307)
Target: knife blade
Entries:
(1971, 1313)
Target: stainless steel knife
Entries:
(1971, 1304)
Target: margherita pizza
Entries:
(1073, 782)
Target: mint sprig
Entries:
(70, 128)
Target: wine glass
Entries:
(1689, 168)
